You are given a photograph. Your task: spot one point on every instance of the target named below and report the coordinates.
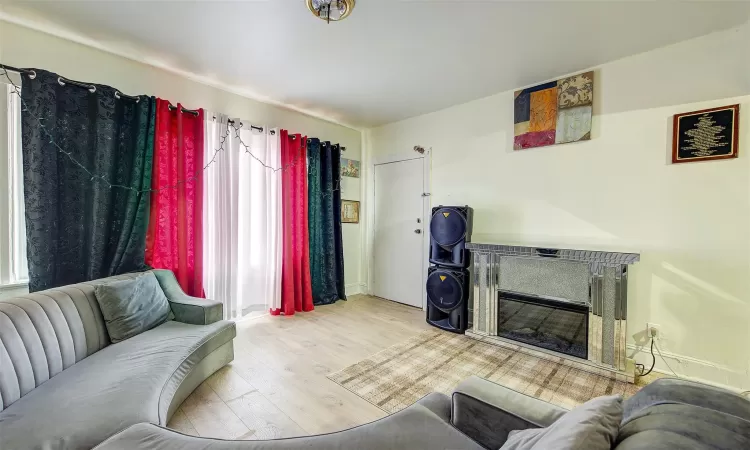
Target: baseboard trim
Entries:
(691, 368)
(355, 288)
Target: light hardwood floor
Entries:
(277, 386)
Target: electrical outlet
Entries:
(653, 330)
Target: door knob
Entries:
(418, 231)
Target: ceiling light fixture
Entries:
(331, 10)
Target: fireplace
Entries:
(560, 302)
(552, 324)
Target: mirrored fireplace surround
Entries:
(524, 295)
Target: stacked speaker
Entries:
(448, 275)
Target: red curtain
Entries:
(296, 290)
(175, 229)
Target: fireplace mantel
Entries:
(595, 278)
(600, 256)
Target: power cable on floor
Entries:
(642, 368)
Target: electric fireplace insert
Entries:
(548, 323)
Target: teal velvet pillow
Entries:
(131, 307)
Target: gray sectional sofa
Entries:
(63, 385)
(666, 414)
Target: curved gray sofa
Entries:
(63, 385)
(667, 414)
(425, 425)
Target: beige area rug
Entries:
(436, 361)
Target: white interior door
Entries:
(398, 244)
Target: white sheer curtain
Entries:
(242, 219)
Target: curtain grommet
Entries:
(91, 88)
(119, 95)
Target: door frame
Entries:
(426, 158)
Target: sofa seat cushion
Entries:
(420, 426)
(123, 384)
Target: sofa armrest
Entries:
(187, 309)
(487, 412)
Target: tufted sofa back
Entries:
(44, 333)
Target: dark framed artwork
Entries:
(706, 134)
(349, 211)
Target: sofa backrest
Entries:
(44, 333)
(672, 413)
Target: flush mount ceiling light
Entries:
(331, 10)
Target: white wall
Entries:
(690, 222)
(24, 47)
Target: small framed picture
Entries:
(349, 168)
(706, 134)
(349, 211)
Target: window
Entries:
(13, 265)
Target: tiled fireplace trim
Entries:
(607, 298)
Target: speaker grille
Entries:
(448, 226)
(444, 290)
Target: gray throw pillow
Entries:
(131, 307)
(591, 426)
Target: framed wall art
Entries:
(349, 168)
(554, 113)
(706, 134)
(349, 211)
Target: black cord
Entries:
(653, 362)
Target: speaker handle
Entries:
(441, 263)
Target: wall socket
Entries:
(653, 330)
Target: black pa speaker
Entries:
(450, 230)
(448, 298)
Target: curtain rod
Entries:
(309, 141)
(119, 94)
(63, 81)
(252, 127)
(30, 73)
(185, 110)
(292, 136)
(322, 144)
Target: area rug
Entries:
(436, 361)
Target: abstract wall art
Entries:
(554, 113)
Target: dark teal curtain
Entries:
(324, 222)
(77, 227)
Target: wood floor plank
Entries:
(277, 385)
(314, 402)
(260, 414)
(210, 416)
(228, 385)
(180, 422)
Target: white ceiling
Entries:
(391, 59)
